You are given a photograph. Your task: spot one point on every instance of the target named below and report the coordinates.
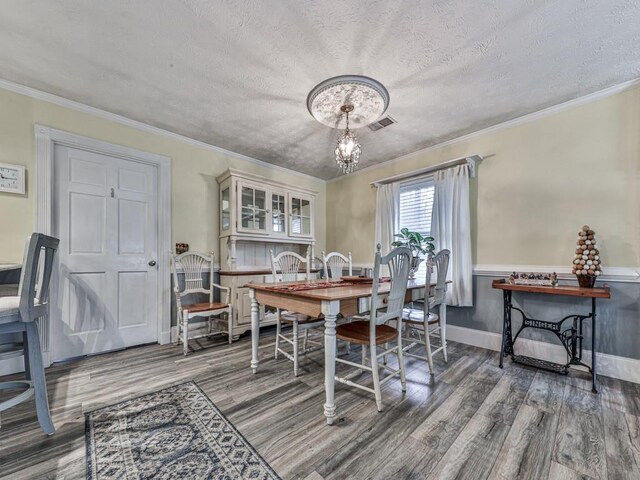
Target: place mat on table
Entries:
(301, 287)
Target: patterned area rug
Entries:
(172, 434)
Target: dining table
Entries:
(317, 298)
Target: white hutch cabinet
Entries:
(258, 215)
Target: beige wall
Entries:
(546, 178)
(194, 171)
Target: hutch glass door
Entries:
(225, 210)
(253, 208)
(300, 216)
(278, 216)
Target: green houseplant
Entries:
(419, 244)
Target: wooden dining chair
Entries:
(285, 267)
(194, 266)
(423, 325)
(334, 265)
(20, 315)
(373, 330)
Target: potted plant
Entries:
(419, 244)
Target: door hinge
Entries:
(113, 193)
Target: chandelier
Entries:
(348, 148)
(346, 100)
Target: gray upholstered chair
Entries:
(18, 315)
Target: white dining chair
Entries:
(285, 267)
(194, 266)
(20, 315)
(373, 330)
(334, 265)
(421, 326)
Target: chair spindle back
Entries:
(334, 264)
(286, 265)
(35, 277)
(398, 262)
(441, 262)
(193, 265)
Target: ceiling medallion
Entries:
(344, 101)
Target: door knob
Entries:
(152, 263)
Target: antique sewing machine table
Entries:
(570, 337)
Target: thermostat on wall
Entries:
(12, 178)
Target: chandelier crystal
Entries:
(347, 149)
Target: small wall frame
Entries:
(12, 178)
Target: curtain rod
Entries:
(470, 160)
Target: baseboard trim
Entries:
(165, 337)
(622, 368)
(9, 366)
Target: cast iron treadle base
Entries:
(536, 362)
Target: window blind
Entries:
(415, 209)
(416, 206)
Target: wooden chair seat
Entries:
(359, 331)
(205, 307)
(417, 317)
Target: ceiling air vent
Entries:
(383, 122)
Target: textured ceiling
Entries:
(236, 74)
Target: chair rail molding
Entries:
(610, 274)
(46, 138)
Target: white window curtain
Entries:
(451, 228)
(386, 216)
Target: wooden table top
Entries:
(346, 292)
(567, 290)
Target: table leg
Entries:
(503, 346)
(330, 310)
(593, 346)
(443, 328)
(255, 330)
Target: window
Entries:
(415, 209)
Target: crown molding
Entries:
(529, 117)
(71, 104)
(114, 117)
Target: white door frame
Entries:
(46, 139)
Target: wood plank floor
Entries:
(471, 420)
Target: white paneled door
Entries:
(106, 216)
